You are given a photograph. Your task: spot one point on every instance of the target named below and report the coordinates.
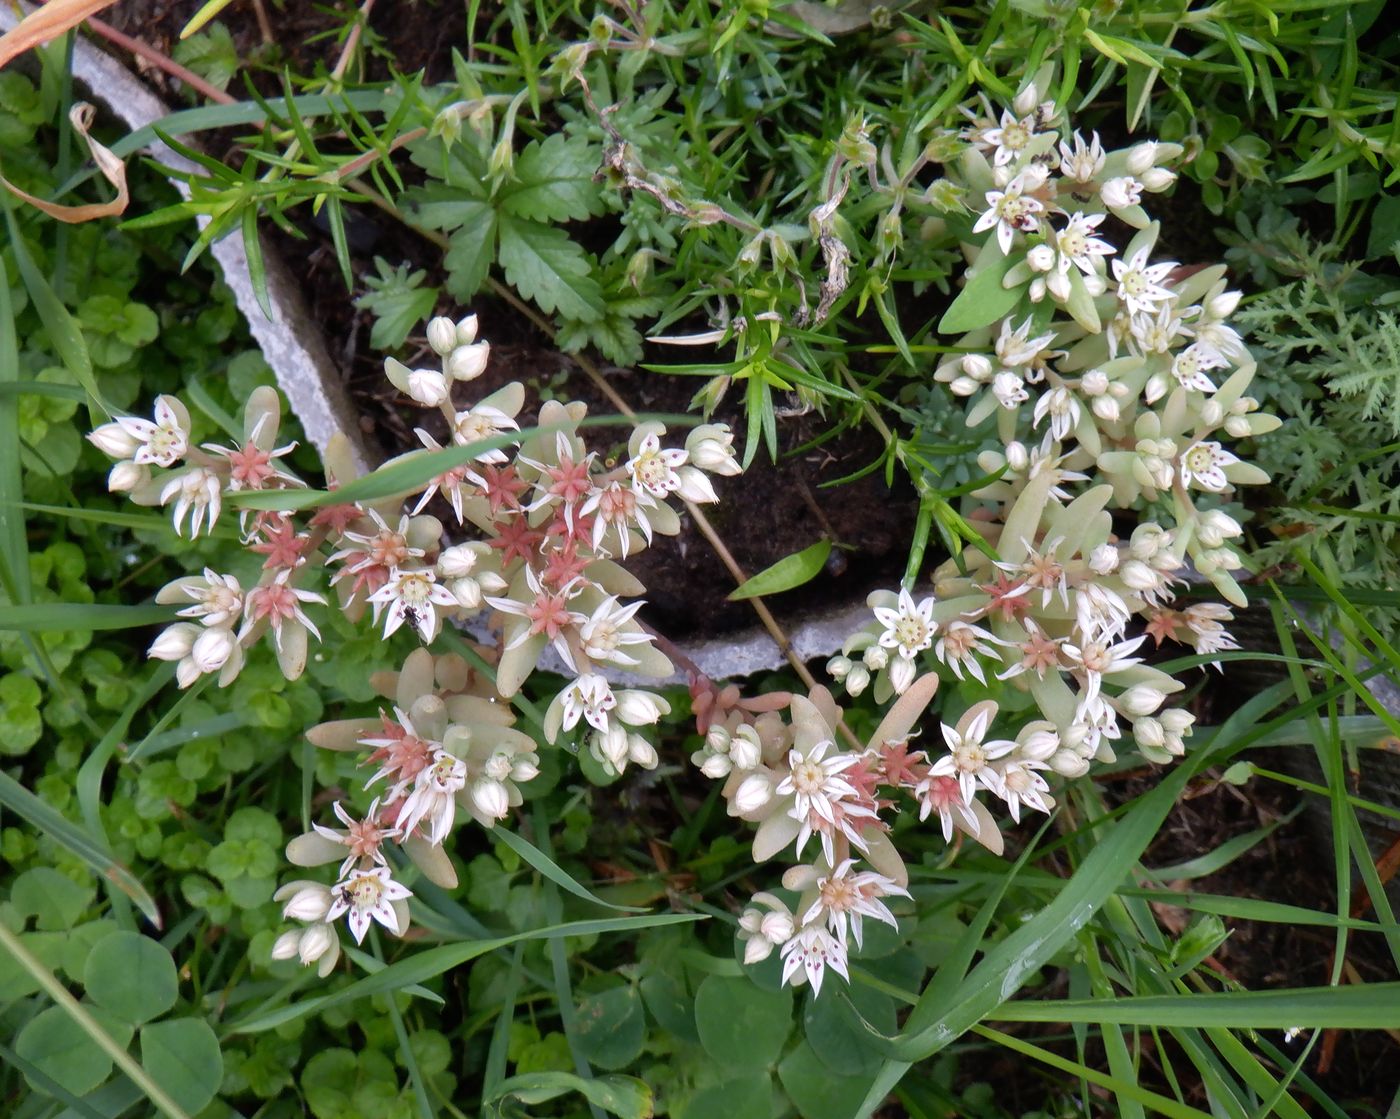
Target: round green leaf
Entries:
(612, 1027)
(836, 1035)
(60, 1048)
(182, 1056)
(54, 899)
(749, 1096)
(740, 1025)
(132, 976)
(670, 1005)
(816, 1091)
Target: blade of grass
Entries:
(1370, 1006)
(553, 871)
(559, 965)
(62, 328)
(406, 1057)
(1163, 1105)
(13, 541)
(48, 821)
(58, 617)
(432, 962)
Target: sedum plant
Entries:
(1113, 382)
(548, 522)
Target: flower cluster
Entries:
(1112, 383)
(547, 523)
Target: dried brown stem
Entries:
(159, 61)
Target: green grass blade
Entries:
(1163, 1105)
(410, 473)
(48, 821)
(1007, 966)
(59, 617)
(553, 871)
(422, 966)
(62, 328)
(1369, 1006)
(14, 544)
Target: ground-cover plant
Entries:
(567, 1014)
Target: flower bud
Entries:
(1238, 427)
(857, 679)
(901, 674)
(1142, 157)
(1041, 258)
(1017, 457)
(977, 366)
(838, 667)
(1103, 560)
(716, 766)
(212, 649)
(458, 561)
(490, 798)
(1177, 720)
(642, 752)
(1147, 540)
(755, 791)
(776, 927)
(466, 363)
(502, 158)
(126, 476)
(316, 941)
(1106, 408)
(1138, 576)
(442, 335)
(427, 387)
(467, 592)
(717, 740)
(1120, 193)
(1158, 179)
(1094, 383)
(115, 441)
(1141, 699)
(964, 386)
(466, 330)
(1212, 413)
(639, 709)
(174, 642)
(711, 447)
(611, 746)
(309, 903)
(875, 657)
(745, 750)
(1069, 764)
(750, 254)
(1221, 522)
(1039, 745)
(285, 946)
(1149, 732)
(1222, 306)
(695, 486)
(1026, 100)
(526, 767)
